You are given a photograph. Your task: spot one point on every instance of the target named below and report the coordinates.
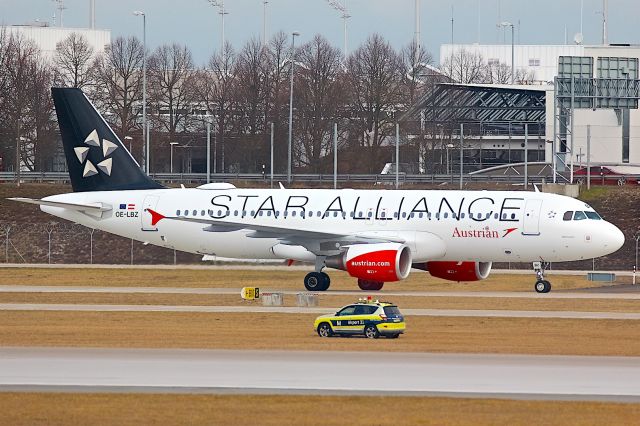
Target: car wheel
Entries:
(324, 330)
(371, 332)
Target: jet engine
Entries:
(381, 262)
(457, 271)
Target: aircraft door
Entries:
(150, 202)
(531, 221)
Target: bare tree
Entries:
(320, 99)
(172, 87)
(216, 88)
(525, 76)
(277, 74)
(25, 105)
(415, 62)
(464, 67)
(497, 73)
(252, 92)
(119, 83)
(73, 61)
(374, 78)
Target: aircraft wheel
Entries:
(543, 286)
(376, 285)
(314, 281)
(326, 281)
(368, 285)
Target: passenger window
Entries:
(186, 212)
(579, 216)
(177, 212)
(567, 215)
(446, 215)
(349, 310)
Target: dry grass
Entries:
(134, 409)
(330, 301)
(278, 331)
(277, 278)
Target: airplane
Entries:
(377, 236)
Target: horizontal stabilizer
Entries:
(90, 207)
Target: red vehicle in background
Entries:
(608, 175)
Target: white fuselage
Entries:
(486, 226)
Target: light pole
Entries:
(129, 138)
(293, 62)
(171, 157)
(513, 74)
(221, 11)
(145, 133)
(264, 22)
(636, 237)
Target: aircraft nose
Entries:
(614, 238)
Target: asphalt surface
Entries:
(630, 292)
(316, 310)
(214, 371)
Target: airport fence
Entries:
(69, 243)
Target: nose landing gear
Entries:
(542, 285)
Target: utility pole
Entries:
(461, 153)
(342, 7)
(335, 155)
(264, 22)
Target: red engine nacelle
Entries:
(381, 262)
(458, 271)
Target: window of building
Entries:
(534, 62)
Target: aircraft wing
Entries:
(287, 234)
(89, 207)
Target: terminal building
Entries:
(569, 91)
(46, 38)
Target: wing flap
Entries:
(89, 207)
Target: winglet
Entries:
(281, 185)
(155, 216)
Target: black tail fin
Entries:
(96, 158)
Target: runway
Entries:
(306, 310)
(214, 371)
(236, 291)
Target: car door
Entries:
(344, 316)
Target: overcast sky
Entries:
(197, 24)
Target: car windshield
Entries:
(391, 311)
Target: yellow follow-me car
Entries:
(367, 317)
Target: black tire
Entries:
(324, 330)
(371, 332)
(393, 336)
(376, 285)
(363, 284)
(543, 286)
(314, 281)
(326, 281)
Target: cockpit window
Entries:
(567, 215)
(593, 215)
(579, 216)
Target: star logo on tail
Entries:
(107, 147)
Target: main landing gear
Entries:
(317, 281)
(370, 285)
(542, 285)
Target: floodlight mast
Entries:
(221, 11)
(342, 7)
